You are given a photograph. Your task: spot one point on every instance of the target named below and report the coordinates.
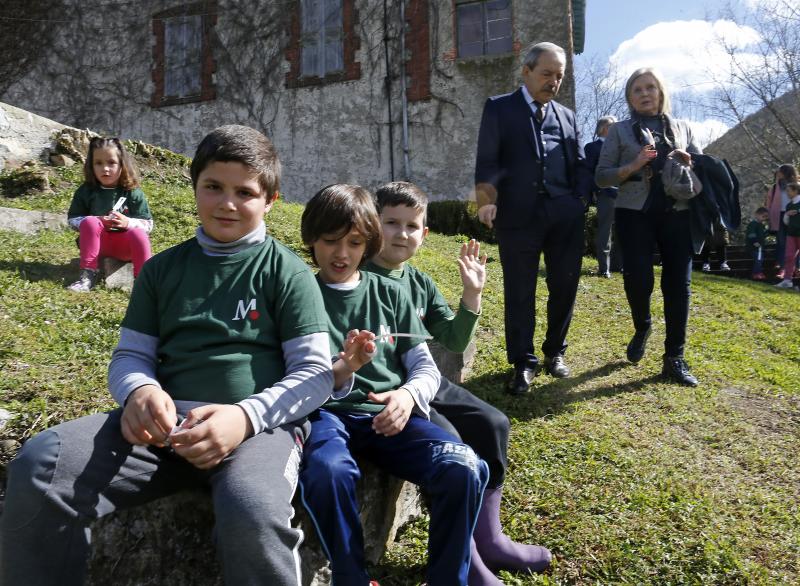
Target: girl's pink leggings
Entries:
(129, 245)
(792, 248)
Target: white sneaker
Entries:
(706, 267)
(723, 266)
(785, 284)
(86, 281)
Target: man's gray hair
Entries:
(532, 56)
(603, 122)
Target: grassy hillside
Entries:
(627, 479)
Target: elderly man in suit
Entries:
(532, 185)
(606, 249)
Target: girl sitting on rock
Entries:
(109, 211)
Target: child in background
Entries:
(109, 211)
(403, 211)
(385, 417)
(717, 241)
(776, 201)
(227, 329)
(791, 219)
(755, 239)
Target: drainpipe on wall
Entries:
(388, 84)
(406, 161)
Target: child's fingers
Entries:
(133, 434)
(201, 455)
(163, 415)
(198, 414)
(390, 421)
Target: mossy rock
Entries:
(27, 179)
(143, 150)
(73, 143)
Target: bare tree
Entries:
(599, 91)
(764, 75)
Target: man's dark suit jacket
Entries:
(592, 150)
(508, 154)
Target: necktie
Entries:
(539, 111)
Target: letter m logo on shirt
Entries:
(385, 331)
(243, 311)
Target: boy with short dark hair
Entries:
(225, 332)
(755, 239)
(403, 211)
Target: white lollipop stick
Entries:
(401, 335)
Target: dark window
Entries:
(321, 41)
(183, 56)
(484, 28)
(184, 65)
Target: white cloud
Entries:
(684, 51)
(708, 130)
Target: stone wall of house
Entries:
(757, 147)
(99, 74)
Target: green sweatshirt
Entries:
(381, 306)
(452, 330)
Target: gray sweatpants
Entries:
(80, 470)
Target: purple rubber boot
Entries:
(496, 549)
(479, 574)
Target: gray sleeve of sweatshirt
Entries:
(307, 384)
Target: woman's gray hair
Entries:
(604, 122)
(532, 56)
(664, 106)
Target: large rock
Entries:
(118, 274)
(30, 222)
(23, 136)
(454, 366)
(169, 542)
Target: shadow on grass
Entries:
(549, 396)
(34, 271)
(396, 574)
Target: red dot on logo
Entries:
(254, 314)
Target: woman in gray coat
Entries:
(646, 217)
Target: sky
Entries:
(670, 35)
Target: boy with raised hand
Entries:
(403, 212)
(226, 329)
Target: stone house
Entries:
(349, 90)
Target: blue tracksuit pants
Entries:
(446, 469)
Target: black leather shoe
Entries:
(636, 346)
(556, 367)
(522, 378)
(676, 370)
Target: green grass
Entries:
(627, 479)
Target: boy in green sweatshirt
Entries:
(403, 211)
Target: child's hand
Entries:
(212, 432)
(148, 416)
(472, 267)
(359, 348)
(791, 213)
(116, 220)
(394, 417)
